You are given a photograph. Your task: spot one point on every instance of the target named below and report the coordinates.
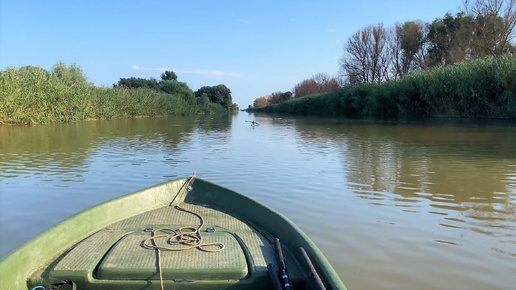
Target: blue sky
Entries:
(253, 47)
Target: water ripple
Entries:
(368, 194)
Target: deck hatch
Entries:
(129, 260)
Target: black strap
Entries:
(57, 285)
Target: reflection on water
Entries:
(423, 205)
(63, 151)
(440, 170)
(457, 181)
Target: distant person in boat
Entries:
(253, 123)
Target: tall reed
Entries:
(33, 95)
(483, 88)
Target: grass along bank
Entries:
(30, 95)
(483, 88)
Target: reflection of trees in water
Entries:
(64, 147)
(216, 122)
(280, 120)
(469, 169)
(214, 130)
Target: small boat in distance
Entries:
(186, 233)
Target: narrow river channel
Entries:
(418, 205)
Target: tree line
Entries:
(317, 84)
(30, 95)
(377, 54)
(218, 95)
(480, 88)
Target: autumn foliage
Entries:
(319, 83)
(274, 98)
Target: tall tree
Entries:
(176, 88)
(135, 83)
(412, 43)
(326, 83)
(279, 97)
(169, 76)
(261, 102)
(319, 83)
(219, 94)
(495, 24)
(450, 39)
(407, 47)
(366, 58)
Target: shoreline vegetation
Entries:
(481, 88)
(457, 66)
(32, 95)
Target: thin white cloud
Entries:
(202, 72)
(207, 72)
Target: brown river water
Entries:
(413, 205)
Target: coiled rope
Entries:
(188, 237)
(184, 238)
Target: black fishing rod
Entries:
(283, 266)
(273, 275)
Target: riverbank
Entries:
(32, 95)
(484, 88)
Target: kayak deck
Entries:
(117, 257)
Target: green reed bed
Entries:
(484, 88)
(32, 95)
(123, 102)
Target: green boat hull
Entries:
(111, 245)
